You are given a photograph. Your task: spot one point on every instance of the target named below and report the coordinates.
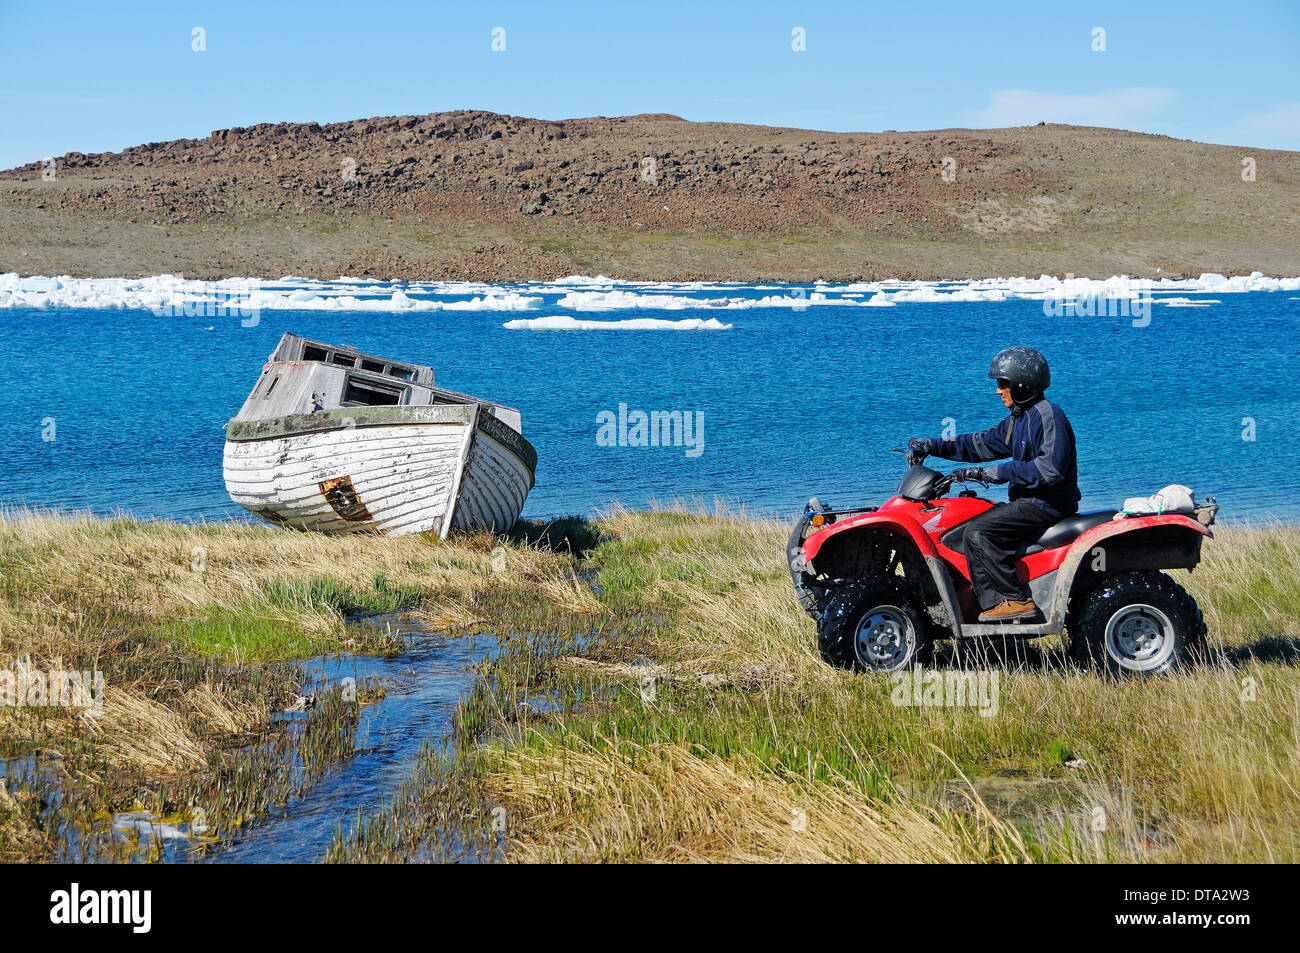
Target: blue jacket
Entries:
(1040, 443)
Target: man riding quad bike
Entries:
(883, 583)
(1042, 472)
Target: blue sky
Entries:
(101, 76)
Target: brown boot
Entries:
(1011, 609)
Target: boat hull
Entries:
(391, 470)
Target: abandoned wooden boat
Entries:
(338, 441)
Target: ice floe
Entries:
(563, 322)
(1186, 302)
(171, 294)
(619, 300)
(180, 296)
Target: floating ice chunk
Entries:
(564, 322)
(512, 301)
(183, 297)
(625, 300)
(931, 295)
(583, 280)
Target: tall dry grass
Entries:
(191, 627)
(749, 748)
(674, 803)
(1200, 766)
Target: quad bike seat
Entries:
(1058, 534)
(1069, 529)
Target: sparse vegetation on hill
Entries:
(480, 196)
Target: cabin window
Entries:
(270, 387)
(363, 392)
(325, 355)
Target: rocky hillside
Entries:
(472, 194)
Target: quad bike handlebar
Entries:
(912, 458)
(920, 483)
(941, 486)
(954, 476)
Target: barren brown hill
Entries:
(477, 195)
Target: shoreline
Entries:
(1238, 271)
(742, 274)
(732, 507)
(602, 279)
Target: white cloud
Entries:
(1120, 108)
(1275, 128)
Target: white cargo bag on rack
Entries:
(1174, 498)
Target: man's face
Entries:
(1004, 391)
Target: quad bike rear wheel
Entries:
(1135, 623)
(876, 625)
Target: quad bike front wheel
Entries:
(876, 626)
(1135, 623)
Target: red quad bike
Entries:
(883, 583)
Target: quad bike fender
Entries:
(903, 524)
(1167, 541)
(949, 609)
(1055, 575)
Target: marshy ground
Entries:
(656, 696)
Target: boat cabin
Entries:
(303, 377)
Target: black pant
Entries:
(990, 542)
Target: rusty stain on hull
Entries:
(342, 498)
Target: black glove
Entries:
(918, 448)
(974, 475)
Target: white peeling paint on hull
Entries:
(339, 441)
(430, 470)
(392, 479)
(493, 489)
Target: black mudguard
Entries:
(808, 597)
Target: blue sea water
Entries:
(794, 402)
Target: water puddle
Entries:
(406, 701)
(1018, 800)
(423, 686)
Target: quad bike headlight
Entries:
(817, 513)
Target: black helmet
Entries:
(1025, 368)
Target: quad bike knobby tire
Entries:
(876, 625)
(1135, 623)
